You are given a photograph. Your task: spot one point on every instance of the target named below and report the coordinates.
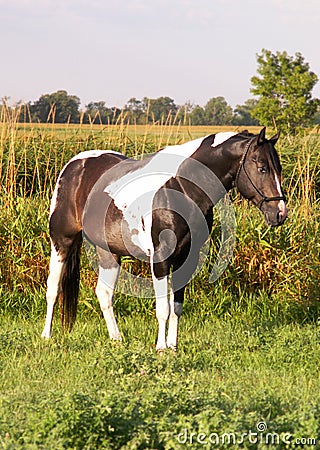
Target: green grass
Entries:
(79, 391)
(249, 343)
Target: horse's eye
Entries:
(262, 169)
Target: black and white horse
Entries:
(152, 209)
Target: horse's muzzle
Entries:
(275, 215)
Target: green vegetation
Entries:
(80, 392)
(249, 343)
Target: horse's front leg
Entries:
(162, 309)
(160, 268)
(176, 304)
(188, 262)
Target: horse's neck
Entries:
(200, 183)
(223, 162)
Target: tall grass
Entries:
(282, 264)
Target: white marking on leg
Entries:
(175, 313)
(105, 289)
(53, 289)
(162, 309)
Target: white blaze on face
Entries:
(133, 193)
(281, 205)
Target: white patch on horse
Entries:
(134, 192)
(54, 198)
(91, 154)
(222, 137)
(83, 155)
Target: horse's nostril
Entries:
(280, 217)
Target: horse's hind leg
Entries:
(107, 280)
(53, 288)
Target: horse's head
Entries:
(259, 178)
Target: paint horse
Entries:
(147, 208)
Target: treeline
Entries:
(60, 107)
(283, 91)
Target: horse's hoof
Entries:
(161, 351)
(168, 350)
(116, 342)
(173, 348)
(45, 336)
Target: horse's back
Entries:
(73, 186)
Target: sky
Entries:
(113, 50)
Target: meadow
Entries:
(247, 371)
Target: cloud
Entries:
(297, 12)
(166, 11)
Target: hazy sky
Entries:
(112, 50)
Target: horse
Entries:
(153, 209)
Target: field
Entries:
(247, 372)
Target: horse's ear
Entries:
(274, 138)
(262, 136)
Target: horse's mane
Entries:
(245, 134)
(273, 153)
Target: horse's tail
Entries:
(70, 285)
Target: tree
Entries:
(135, 110)
(217, 112)
(242, 114)
(284, 90)
(98, 113)
(317, 116)
(197, 116)
(59, 107)
(159, 109)
(183, 114)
